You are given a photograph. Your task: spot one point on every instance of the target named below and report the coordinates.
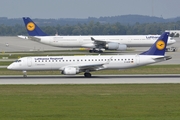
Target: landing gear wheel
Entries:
(90, 51)
(100, 51)
(87, 75)
(25, 76)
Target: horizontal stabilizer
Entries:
(163, 58)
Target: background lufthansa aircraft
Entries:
(97, 43)
(71, 65)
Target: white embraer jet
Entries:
(71, 65)
(97, 43)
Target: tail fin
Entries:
(159, 47)
(32, 28)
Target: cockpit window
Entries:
(17, 61)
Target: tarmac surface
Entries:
(98, 79)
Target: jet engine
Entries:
(70, 71)
(115, 46)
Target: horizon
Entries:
(90, 17)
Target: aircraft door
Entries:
(137, 59)
(29, 61)
(80, 39)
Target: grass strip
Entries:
(90, 102)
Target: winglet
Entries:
(92, 39)
(159, 47)
(32, 28)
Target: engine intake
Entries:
(116, 46)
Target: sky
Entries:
(88, 8)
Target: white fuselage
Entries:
(93, 63)
(85, 41)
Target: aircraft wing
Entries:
(90, 67)
(99, 42)
(33, 38)
(84, 67)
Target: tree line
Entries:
(94, 28)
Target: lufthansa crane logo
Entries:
(30, 26)
(160, 45)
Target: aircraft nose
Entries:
(10, 67)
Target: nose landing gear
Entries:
(24, 74)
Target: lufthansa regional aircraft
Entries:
(98, 43)
(72, 65)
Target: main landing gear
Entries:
(96, 50)
(87, 74)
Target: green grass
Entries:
(5, 63)
(150, 69)
(90, 102)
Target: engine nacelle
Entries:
(70, 71)
(116, 46)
